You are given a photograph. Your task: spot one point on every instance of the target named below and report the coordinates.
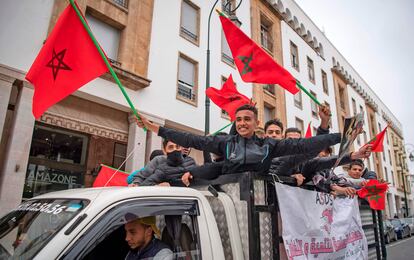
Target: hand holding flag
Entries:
(374, 191)
(377, 141)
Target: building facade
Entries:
(158, 50)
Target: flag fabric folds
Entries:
(228, 98)
(67, 61)
(308, 133)
(374, 191)
(108, 177)
(377, 141)
(253, 63)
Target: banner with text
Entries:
(317, 225)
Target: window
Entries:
(354, 107)
(298, 99)
(120, 151)
(28, 228)
(269, 88)
(123, 3)
(392, 178)
(269, 113)
(361, 109)
(342, 97)
(299, 124)
(107, 36)
(190, 21)
(314, 106)
(294, 56)
(386, 173)
(187, 79)
(109, 230)
(57, 161)
(311, 71)
(266, 39)
(226, 55)
(325, 82)
(389, 157)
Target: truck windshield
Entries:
(29, 227)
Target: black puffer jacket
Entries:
(249, 154)
(288, 165)
(162, 171)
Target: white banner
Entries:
(317, 226)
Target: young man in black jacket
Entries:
(244, 151)
(165, 170)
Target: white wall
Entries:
(166, 43)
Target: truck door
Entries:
(175, 225)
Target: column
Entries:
(6, 83)
(137, 142)
(17, 153)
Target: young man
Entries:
(354, 174)
(164, 169)
(140, 238)
(290, 165)
(244, 151)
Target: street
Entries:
(401, 250)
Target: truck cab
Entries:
(89, 224)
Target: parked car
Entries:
(401, 229)
(389, 232)
(410, 223)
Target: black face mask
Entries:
(175, 158)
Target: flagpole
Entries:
(108, 65)
(221, 129)
(308, 93)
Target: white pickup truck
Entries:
(235, 222)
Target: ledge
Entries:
(127, 78)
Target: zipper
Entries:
(244, 151)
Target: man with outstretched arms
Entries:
(244, 151)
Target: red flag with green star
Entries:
(374, 191)
(377, 141)
(67, 61)
(254, 64)
(228, 98)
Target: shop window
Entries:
(57, 161)
(120, 152)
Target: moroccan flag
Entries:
(377, 141)
(108, 177)
(253, 63)
(308, 131)
(67, 61)
(228, 98)
(374, 191)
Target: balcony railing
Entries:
(122, 3)
(227, 58)
(269, 88)
(186, 91)
(266, 41)
(189, 35)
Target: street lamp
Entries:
(411, 157)
(233, 18)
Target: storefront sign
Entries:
(53, 177)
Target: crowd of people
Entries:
(278, 152)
